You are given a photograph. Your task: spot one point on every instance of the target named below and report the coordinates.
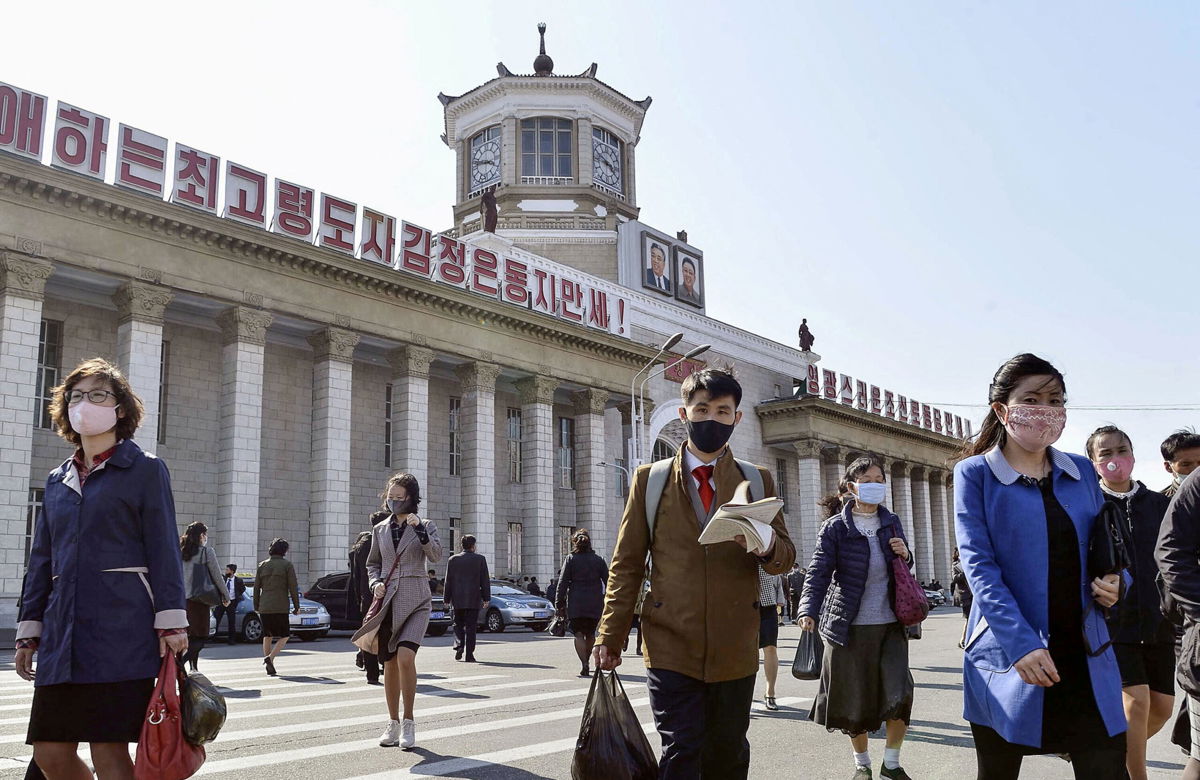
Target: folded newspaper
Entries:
(746, 518)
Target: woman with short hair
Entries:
(205, 588)
(274, 585)
(580, 594)
(865, 680)
(105, 545)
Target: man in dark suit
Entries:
(468, 588)
(358, 601)
(656, 274)
(236, 589)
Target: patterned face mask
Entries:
(1034, 426)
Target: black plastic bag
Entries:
(611, 744)
(807, 665)
(201, 709)
(1187, 670)
(558, 627)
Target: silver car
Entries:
(514, 607)
(313, 622)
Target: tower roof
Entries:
(542, 64)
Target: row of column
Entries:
(141, 308)
(919, 496)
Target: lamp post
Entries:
(641, 388)
(635, 444)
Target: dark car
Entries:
(330, 590)
(313, 622)
(511, 606)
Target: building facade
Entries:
(285, 377)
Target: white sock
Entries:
(863, 758)
(891, 758)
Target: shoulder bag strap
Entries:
(752, 475)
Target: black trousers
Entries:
(1001, 760)
(795, 605)
(230, 614)
(465, 623)
(702, 725)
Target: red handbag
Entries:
(908, 597)
(162, 751)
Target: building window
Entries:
(515, 449)
(387, 425)
(452, 533)
(515, 531)
(781, 489)
(546, 145)
(163, 362)
(662, 450)
(606, 161)
(566, 452)
(455, 411)
(48, 370)
(33, 513)
(485, 160)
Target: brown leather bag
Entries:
(368, 641)
(162, 751)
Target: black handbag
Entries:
(202, 708)
(558, 627)
(1108, 547)
(807, 664)
(204, 589)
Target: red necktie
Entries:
(704, 474)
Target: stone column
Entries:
(940, 527)
(477, 429)
(139, 349)
(809, 489)
(410, 411)
(22, 287)
(536, 394)
(902, 494)
(921, 537)
(510, 152)
(329, 495)
(583, 126)
(831, 468)
(244, 334)
(950, 511)
(590, 477)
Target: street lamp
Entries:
(635, 453)
(641, 388)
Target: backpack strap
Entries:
(752, 475)
(660, 472)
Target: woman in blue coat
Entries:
(103, 597)
(1038, 674)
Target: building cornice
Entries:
(856, 418)
(170, 223)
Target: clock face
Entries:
(485, 163)
(606, 166)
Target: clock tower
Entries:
(557, 152)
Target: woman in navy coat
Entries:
(103, 596)
(1038, 675)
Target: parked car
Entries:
(313, 622)
(511, 606)
(330, 590)
(936, 598)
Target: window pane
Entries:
(546, 168)
(527, 141)
(529, 165)
(528, 124)
(546, 143)
(564, 143)
(564, 165)
(564, 124)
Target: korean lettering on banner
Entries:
(571, 301)
(378, 237)
(515, 289)
(22, 121)
(141, 161)
(336, 228)
(902, 409)
(876, 404)
(914, 413)
(451, 265)
(967, 424)
(860, 395)
(545, 292)
(597, 314)
(958, 426)
(813, 381)
(889, 404)
(828, 384)
(926, 417)
(416, 250)
(485, 272)
(196, 178)
(80, 141)
(293, 210)
(245, 195)
(937, 420)
(846, 390)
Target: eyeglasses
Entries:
(95, 396)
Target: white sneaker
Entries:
(409, 738)
(391, 735)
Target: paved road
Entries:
(514, 716)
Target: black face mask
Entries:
(709, 435)
(401, 508)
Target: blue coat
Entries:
(1002, 543)
(104, 571)
(837, 575)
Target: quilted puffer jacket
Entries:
(837, 574)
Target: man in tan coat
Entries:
(700, 618)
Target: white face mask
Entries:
(871, 492)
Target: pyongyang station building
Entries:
(293, 348)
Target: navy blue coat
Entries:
(104, 571)
(837, 575)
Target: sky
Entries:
(935, 186)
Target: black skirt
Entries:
(89, 712)
(276, 624)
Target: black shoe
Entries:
(458, 652)
(373, 681)
(270, 665)
(895, 774)
(359, 661)
(584, 672)
(470, 659)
